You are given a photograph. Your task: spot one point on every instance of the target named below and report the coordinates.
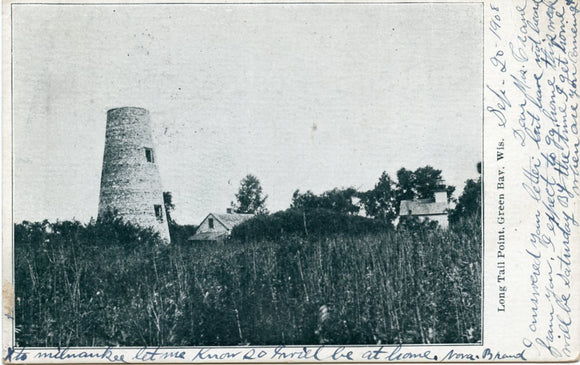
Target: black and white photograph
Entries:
(247, 174)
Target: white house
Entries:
(217, 227)
(433, 209)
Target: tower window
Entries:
(210, 222)
(158, 213)
(149, 155)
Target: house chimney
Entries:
(229, 210)
(440, 197)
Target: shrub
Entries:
(180, 233)
(316, 221)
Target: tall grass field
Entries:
(109, 283)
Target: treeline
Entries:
(339, 210)
(111, 283)
(384, 200)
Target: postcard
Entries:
(290, 181)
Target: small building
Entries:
(432, 209)
(218, 227)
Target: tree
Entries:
(405, 183)
(338, 200)
(249, 198)
(420, 184)
(469, 203)
(307, 200)
(169, 206)
(381, 202)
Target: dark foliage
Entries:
(313, 221)
(384, 200)
(110, 283)
(413, 223)
(169, 206)
(469, 203)
(74, 282)
(180, 233)
(381, 202)
(420, 184)
(337, 200)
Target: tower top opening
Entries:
(128, 109)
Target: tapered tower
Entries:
(130, 181)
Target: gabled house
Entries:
(432, 209)
(218, 227)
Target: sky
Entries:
(307, 97)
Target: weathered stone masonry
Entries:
(130, 180)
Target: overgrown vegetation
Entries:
(110, 283)
(303, 223)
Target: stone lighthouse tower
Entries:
(130, 181)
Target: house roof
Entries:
(422, 207)
(229, 220)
